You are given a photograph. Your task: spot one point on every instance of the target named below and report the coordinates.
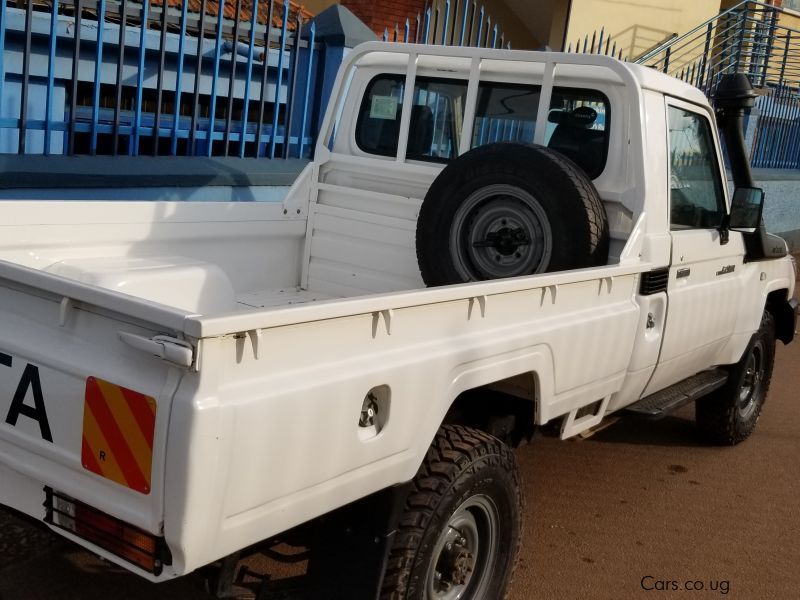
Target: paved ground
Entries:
(637, 505)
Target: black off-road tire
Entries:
(506, 210)
(463, 466)
(729, 415)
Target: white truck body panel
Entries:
(293, 312)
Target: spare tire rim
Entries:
(750, 389)
(464, 555)
(500, 231)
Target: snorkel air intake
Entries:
(734, 96)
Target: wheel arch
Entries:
(506, 409)
(501, 395)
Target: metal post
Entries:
(2, 46)
(262, 99)
(248, 77)
(137, 116)
(76, 57)
(292, 86)
(26, 66)
(446, 22)
(120, 62)
(214, 78)
(232, 79)
(176, 113)
(480, 28)
(704, 60)
(785, 55)
(98, 74)
(198, 73)
(276, 105)
(51, 59)
(312, 35)
(770, 45)
(465, 11)
(736, 66)
(162, 53)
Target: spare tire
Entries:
(505, 210)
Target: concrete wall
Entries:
(781, 203)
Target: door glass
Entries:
(696, 195)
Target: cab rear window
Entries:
(437, 115)
(577, 124)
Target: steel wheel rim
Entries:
(500, 231)
(465, 552)
(750, 389)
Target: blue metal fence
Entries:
(109, 77)
(776, 143)
(450, 23)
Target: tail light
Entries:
(135, 545)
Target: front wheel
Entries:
(729, 415)
(460, 531)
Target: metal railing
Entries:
(749, 38)
(450, 23)
(126, 77)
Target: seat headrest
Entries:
(583, 116)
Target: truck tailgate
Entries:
(81, 412)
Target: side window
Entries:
(578, 127)
(505, 113)
(436, 117)
(697, 200)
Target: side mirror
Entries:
(746, 209)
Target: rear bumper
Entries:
(27, 496)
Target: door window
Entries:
(697, 200)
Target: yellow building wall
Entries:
(790, 19)
(514, 29)
(637, 25)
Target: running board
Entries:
(660, 404)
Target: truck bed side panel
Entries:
(274, 440)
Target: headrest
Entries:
(583, 116)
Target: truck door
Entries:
(705, 270)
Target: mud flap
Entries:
(350, 546)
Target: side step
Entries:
(660, 404)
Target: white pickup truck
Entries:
(487, 241)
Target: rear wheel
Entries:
(459, 535)
(729, 415)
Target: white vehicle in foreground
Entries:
(180, 382)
